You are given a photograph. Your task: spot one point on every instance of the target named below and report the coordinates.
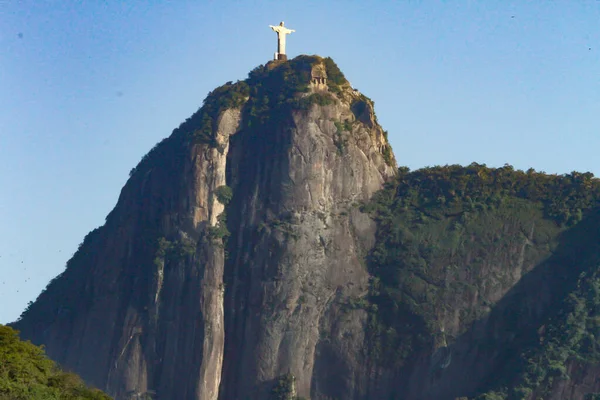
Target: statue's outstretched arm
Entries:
(292, 30)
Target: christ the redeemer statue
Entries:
(281, 32)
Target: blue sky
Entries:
(87, 88)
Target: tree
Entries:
(27, 373)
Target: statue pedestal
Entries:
(282, 57)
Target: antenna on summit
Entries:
(281, 32)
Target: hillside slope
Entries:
(484, 283)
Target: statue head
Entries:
(281, 23)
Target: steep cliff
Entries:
(270, 248)
(171, 298)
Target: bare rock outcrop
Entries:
(174, 299)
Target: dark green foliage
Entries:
(26, 373)
(268, 90)
(437, 223)
(492, 396)
(168, 153)
(347, 125)
(224, 194)
(568, 336)
(163, 246)
(219, 231)
(572, 335)
(388, 156)
(222, 98)
(339, 140)
(339, 127)
(321, 99)
(283, 225)
(277, 86)
(564, 197)
(177, 250)
(335, 77)
(358, 303)
(199, 128)
(284, 389)
(274, 89)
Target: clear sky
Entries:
(87, 88)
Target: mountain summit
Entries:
(270, 248)
(231, 248)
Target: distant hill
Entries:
(486, 283)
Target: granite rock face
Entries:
(160, 303)
(234, 265)
(300, 244)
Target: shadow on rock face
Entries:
(488, 356)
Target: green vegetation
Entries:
(442, 230)
(492, 396)
(321, 99)
(199, 128)
(339, 140)
(219, 231)
(283, 224)
(224, 194)
(285, 388)
(173, 251)
(27, 373)
(570, 336)
(276, 87)
(265, 97)
(461, 189)
(222, 98)
(335, 78)
(266, 89)
(388, 155)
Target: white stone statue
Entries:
(281, 32)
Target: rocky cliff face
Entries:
(139, 308)
(252, 255)
(158, 301)
(299, 246)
